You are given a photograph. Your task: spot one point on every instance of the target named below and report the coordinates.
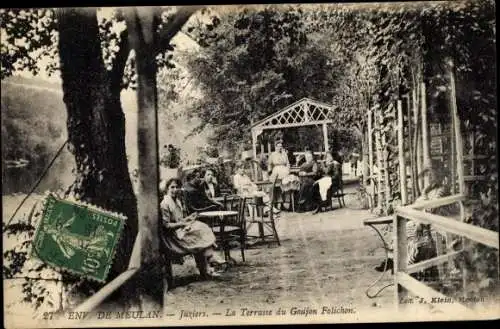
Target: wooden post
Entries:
(457, 133)
(425, 134)
(411, 129)
(418, 140)
(370, 157)
(383, 146)
(365, 158)
(325, 137)
(381, 172)
(401, 155)
(452, 158)
(254, 145)
(400, 257)
(459, 162)
(471, 153)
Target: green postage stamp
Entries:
(77, 237)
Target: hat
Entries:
(163, 185)
(245, 155)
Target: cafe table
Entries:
(221, 215)
(373, 223)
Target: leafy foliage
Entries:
(256, 62)
(28, 35)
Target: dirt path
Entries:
(324, 259)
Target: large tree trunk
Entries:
(96, 125)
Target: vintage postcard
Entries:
(249, 164)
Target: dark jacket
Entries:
(196, 199)
(204, 186)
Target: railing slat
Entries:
(441, 301)
(134, 264)
(432, 262)
(105, 291)
(437, 202)
(478, 234)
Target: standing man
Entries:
(354, 163)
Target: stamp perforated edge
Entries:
(71, 200)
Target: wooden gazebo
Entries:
(304, 112)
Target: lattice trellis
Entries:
(303, 112)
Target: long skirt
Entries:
(279, 172)
(306, 196)
(192, 239)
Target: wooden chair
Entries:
(269, 221)
(232, 229)
(337, 188)
(337, 191)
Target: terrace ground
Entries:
(325, 259)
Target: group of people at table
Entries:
(184, 234)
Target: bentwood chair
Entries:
(337, 188)
(230, 229)
(264, 221)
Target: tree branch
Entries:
(170, 29)
(120, 61)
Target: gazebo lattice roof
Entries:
(301, 113)
(304, 112)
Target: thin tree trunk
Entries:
(380, 164)
(96, 126)
(364, 150)
(142, 24)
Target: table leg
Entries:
(261, 230)
(386, 249)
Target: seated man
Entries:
(245, 187)
(195, 197)
(210, 185)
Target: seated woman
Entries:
(182, 236)
(245, 187)
(309, 173)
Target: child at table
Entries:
(245, 187)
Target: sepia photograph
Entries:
(249, 164)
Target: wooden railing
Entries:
(403, 282)
(133, 267)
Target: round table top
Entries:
(218, 213)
